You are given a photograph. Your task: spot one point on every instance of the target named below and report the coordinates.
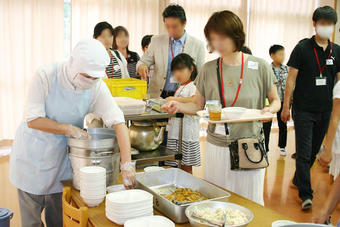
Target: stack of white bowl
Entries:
(93, 185)
(125, 205)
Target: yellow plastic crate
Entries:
(131, 87)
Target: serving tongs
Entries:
(211, 222)
(185, 202)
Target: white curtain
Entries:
(140, 17)
(199, 11)
(280, 22)
(32, 34)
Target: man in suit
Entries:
(163, 48)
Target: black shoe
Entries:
(307, 204)
(294, 156)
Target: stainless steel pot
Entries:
(100, 150)
(145, 135)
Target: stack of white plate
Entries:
(93, 185)
(125, 205)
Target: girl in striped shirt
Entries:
(117, 68)
(185, 72)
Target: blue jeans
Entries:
(310, 130)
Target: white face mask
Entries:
(83, 83)
(324, 32)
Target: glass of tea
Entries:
(215, 111)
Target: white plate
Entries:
(129, 197)
(131, 215)
(153, 169)
(149, 221)
(121, 221)
(128, 211)
(282, 223)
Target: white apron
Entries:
(39, 160)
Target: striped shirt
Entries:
(113, 69)
(132, 60)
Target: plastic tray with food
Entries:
(235, 115)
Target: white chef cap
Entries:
(88, 56)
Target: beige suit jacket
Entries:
(157, 54)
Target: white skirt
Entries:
(217, 170)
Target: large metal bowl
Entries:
(215, 205)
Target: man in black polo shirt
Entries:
(314, 67)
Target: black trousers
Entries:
(310, 130)
(266, 130)
(282, 130)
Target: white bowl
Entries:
(94, 170)
(149, 221)
(92, 196)
(93, 202)
(233, 112)
(153, 169)
(93, 186)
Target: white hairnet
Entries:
(88, 56)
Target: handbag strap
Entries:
(220, 92)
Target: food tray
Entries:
(173, 176)
(249, 115)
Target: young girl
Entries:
(185, 72)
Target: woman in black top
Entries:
(121, 43)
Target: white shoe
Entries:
(283, 152)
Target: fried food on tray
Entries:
(184, 195)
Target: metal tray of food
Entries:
(173, 177)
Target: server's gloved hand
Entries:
(77, 133)
(128, 170)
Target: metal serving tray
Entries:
(154, 180)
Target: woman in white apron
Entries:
(59, 97)
(247, 81)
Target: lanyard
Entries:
(239, 85)
(111, 59)
(184, 85)
(172, 51)
(318, 61)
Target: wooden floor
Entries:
(279, 195)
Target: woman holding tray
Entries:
(246, 81)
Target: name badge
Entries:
(253, 65)
(173, 79)
(329, 62)
(320, 81)
(220, 129)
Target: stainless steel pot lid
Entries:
(101, 138)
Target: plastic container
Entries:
(132, 88)
(5, 217)
(130, 106)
